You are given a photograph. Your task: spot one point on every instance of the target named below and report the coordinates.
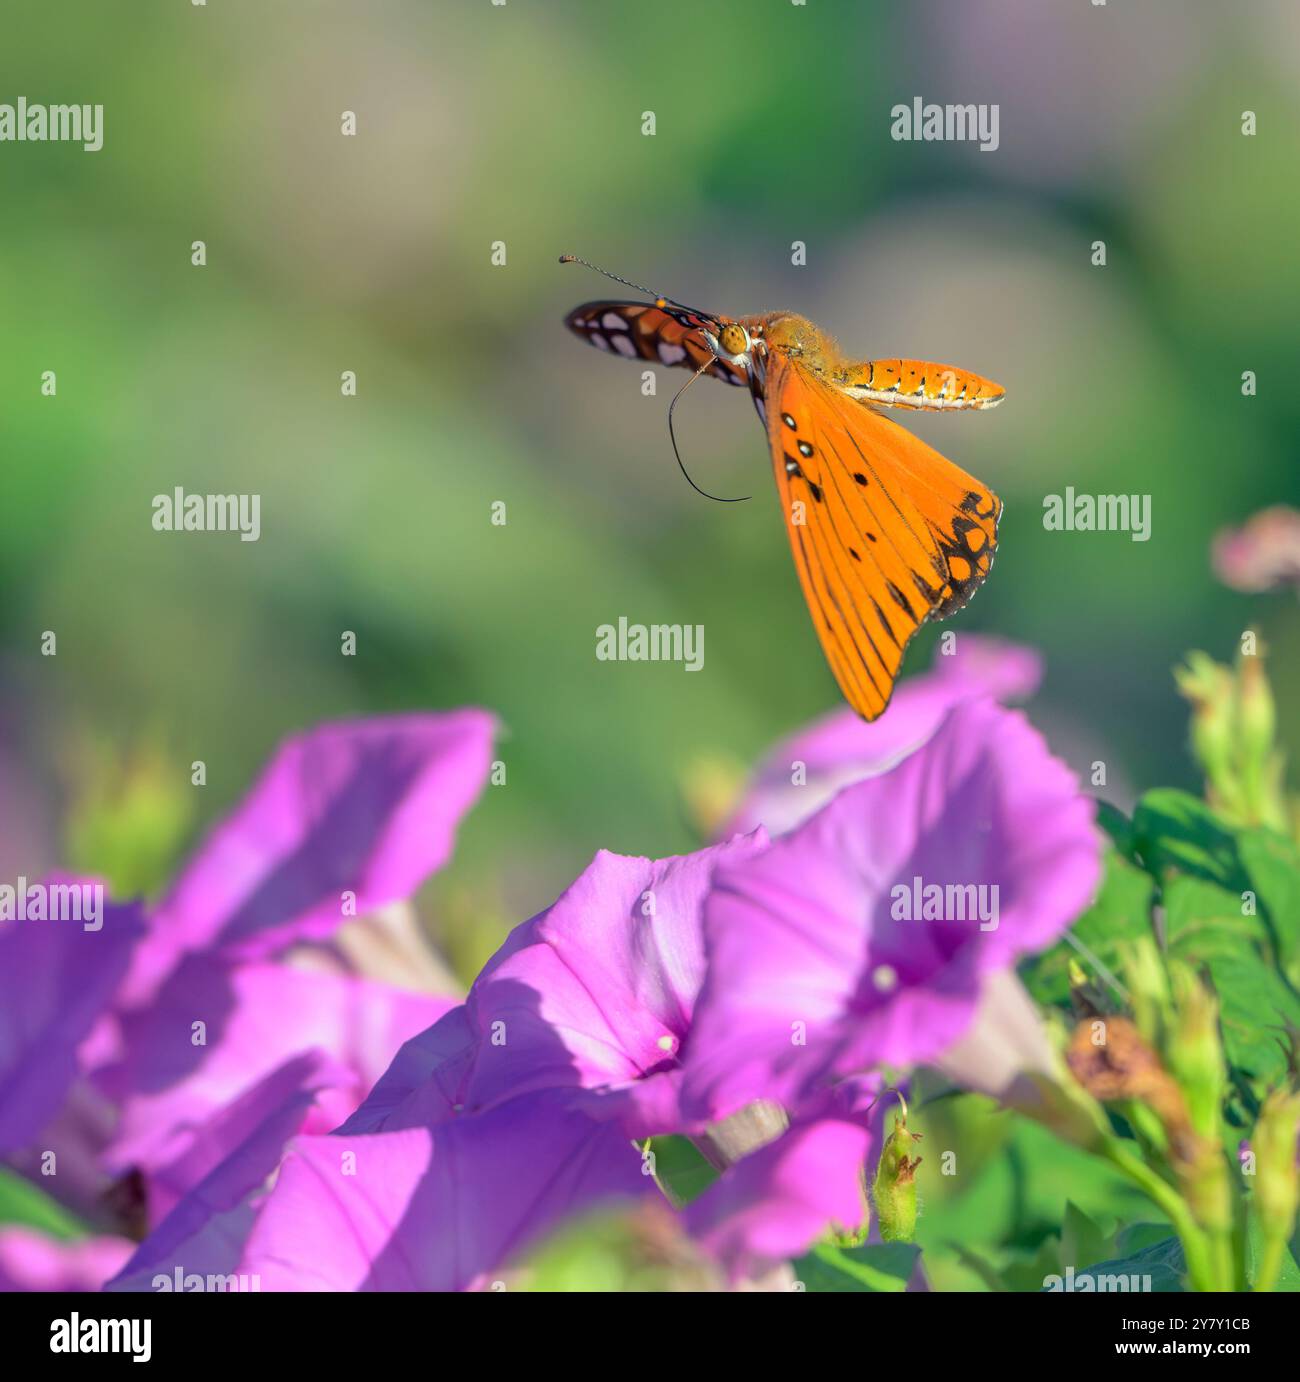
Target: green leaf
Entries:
(1177, 832)
(1082, 1239)
(1123, 906)
(1134, 1238)
(1200, 914)
(1272, 863)
(681, 1170)
(871, 1267)
(1028, 1271)
(22, 1203)
(1157, 1267)
(1288, 1278)
(1015, 1200)
(1120, 829)
(1204, 870)
(129, 817)
(1257, 1005)
(1121, 911)
(983, 1269)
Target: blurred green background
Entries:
(522, 123)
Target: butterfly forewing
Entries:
(665, 336)
(880, 526)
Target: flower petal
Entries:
(367, 806)
(596, 993)
(205, 1233)
(841, 748)
(436, 1209)
(56, 979)
(33, 1261)
(256, 1017)
(818, 969)
(775, 1204)
(1263, 554)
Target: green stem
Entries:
(1224, 1260)
(1270, 1262)
(1203, 1265)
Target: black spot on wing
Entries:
(885, 624)
(967, 563)
(900, 599)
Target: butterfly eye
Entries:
(734, 339)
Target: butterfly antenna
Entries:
(717, 498)
(627, 283)
(660, 300)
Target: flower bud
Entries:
(894, 1188)
(1148, 984)
(1260, 764)
(1234, 724)
(1209, 687)
(1194, 1052)
(1277, 1183)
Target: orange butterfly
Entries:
(885, 532)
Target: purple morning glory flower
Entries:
(266, 1014)
(773, 1204)
(204, 1233)
(434, 1207)
(512, 1110)
(180, 1017)
(594, 994)
(56, 978)
(344, 820)
(364, 807)
(839, 948)
(669, 996)
(1262, 554)
(442, 1207)
(806, 770)
(835, 951)
(33, 1261)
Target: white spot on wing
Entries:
(598, 340)
(623, 344)
(671, 354)
(611, 321)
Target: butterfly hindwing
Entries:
(640, 330)
(961, 513)
(885, 532)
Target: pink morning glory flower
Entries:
(665, 996)
(595, 995)
(56, 979)
(840, 948)
(514, 1110)
(34, 1261)
(157, 1045)
(771, 1205)
(803, 772)
(1263, 554)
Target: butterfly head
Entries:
(730, 341)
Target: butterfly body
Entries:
(797, 337)
(885, 532)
